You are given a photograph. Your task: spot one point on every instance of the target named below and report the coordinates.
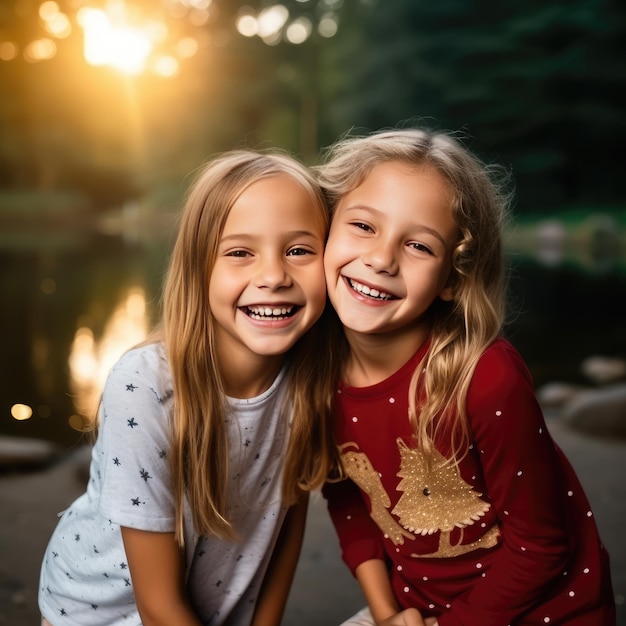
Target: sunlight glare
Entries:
(119, 46)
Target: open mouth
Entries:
(370, 292)
(270, 313)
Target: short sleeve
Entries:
(134, 447)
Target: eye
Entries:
(299, 251)
(420, 247)
(362, 226)
(238, 254)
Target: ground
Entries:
(323, 593)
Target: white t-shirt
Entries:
(85, 577)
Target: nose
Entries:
(381, 258)
(272, 273)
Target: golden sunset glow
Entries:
(109, 41)
(91, 358)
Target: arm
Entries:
(359, 537)
(374, 581)
(373, 578)
(157, 570)
(279, 575)
(523, 477)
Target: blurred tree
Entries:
(536, 84)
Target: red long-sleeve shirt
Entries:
(509, 538)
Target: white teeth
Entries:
(367, 291)
(263, 312)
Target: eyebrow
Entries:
(421, 227)
(293, 234)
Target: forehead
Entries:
(402, 182)
(276, 201)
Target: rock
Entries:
(26, 453)
(600, 411)
(551, 242)
(602, 370)
(555, 395)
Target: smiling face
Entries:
(267, 285)
(388, 255)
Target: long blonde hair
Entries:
(199, 457)
(464, 327)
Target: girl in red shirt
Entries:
(456, 507)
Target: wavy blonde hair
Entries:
(464, 327)
(199, 458)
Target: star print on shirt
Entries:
(123, 565)
(136, 501)
(132, 423)
(131, 387)
(116, 461)
(144, 474)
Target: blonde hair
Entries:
(199, 458)
(464, 327)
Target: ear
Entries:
(447, 293)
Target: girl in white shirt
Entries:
(213, 431)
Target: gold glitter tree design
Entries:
(436, 498)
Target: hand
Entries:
(408, 617)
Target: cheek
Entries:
(319, 286)
(333, 254)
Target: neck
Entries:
(375, 357)
(248, 378)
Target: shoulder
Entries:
(500, 369)
(501, 359)
(146, 358)
(148, 362)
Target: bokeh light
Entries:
(21, 412)
(48, 286)
(328, 26)
(8, 51)
(40, 50)
(299, 30)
